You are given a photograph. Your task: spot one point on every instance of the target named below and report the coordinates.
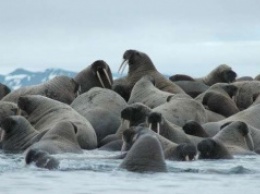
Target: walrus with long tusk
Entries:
(97, 74)
(140, 64)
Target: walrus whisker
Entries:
(105, 72)
(100, 80)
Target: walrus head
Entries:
(101, 70)
(212, 149)
(183, 152)
(222, 74)
(135, 114)
(137, 61)
(98, 74)
(194, 128)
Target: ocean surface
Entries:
(92, 172)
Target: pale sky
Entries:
(180, 36)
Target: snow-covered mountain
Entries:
(21, 77)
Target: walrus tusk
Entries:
(187, 158)
(100, 80)
(150, 126)
(158, 128)
(122, 66)
(105, 72)
(2, 135)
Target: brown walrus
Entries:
(140, 64)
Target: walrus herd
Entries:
(145, 116)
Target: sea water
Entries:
(94, 172)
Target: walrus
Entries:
(174, 133)
(146, 92)
(228, 90)
(61, 88)
(59, 139)
(249, 116)
(99, 103)
(18, 134)
(182, 108)
(98, 74)
(221, 74)
(43, 113)
(237, 138)
(4, 90)
(132, 115)
(220, 103)
(172, 151)
(246, 92)
(139, 65)
(146, 155)
(41, 159)
(213, 149)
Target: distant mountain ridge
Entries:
(22, 77)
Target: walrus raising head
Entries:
(137, 61)
(222, 74)
(98, 74)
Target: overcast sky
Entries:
(180, 36)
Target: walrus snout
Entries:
(154, 121)
(186, 152)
